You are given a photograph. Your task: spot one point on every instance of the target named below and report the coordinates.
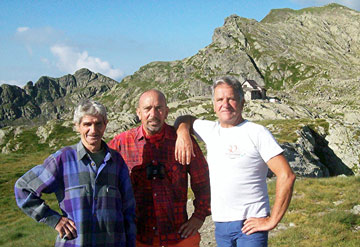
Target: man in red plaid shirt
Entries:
(160, 183)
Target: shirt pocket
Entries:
(75, 191)
(76, 198)
(112, 192)
(111, 198)
(178, 181)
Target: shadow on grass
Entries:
(16, 236)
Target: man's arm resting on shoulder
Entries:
(184, 149)
(285, 179)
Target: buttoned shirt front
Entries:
(161, 203)
(99, 200)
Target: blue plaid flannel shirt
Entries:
(99, 200)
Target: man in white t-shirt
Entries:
(239, 154)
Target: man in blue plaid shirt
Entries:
(91, 183)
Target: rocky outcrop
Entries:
(311, 156)
(344, 140)
(16, 103)
(119, 122)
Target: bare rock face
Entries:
(302, 158)
(310, 156)
(260, 109)
(44, 131)
(344, 140)
(15, 103)
(119, 122)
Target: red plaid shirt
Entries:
(161, 203)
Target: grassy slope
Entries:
(17, 229)
(320, 210)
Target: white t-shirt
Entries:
(237, 159)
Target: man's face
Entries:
(152, 112)
(227, 106)
(91, 129)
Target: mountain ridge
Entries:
(49, 96)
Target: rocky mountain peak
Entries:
(84, 76)
(11, 94)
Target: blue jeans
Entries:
(229, 234)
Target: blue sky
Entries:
(115, 38)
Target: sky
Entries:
(114, 38)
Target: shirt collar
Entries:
(168, 135)
(139, 133)
(81, 151)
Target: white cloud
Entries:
(70, 60)
(37, 36)
(32, 38)
(45, 60)
(22, 29)
(353, 4)
(38, 41)
(12, 82)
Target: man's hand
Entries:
(184, 149)
(252, 225)
(190, 227)
(66, 228)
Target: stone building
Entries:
(252, 90)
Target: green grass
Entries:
(17, 229)
(27, 141)
(318, 220)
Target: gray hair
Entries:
(231, 82)
(89, 107)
